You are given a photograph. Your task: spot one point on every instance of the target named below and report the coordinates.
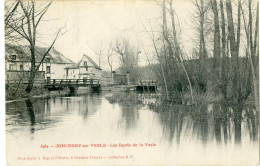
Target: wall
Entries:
(73, 74)
(57, 71)
(17, 76)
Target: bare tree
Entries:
(223, 77)
(216, 52)
(201, 14)
(202, 10)
(252, 49)
(11, 8)
(158, 56)
(234, 49)
(110, 58)
(26, 27)
(99, 51)
(179, 52)
(127, 56)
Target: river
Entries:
(53, 130)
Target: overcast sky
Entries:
(93, 23)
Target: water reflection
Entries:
(129, 117)
(31, 113)
(91, 118)
(210, 123)
(206, 122)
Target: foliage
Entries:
(123, 98)
(18, 91)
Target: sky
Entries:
(92, 24)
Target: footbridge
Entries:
(72, 84)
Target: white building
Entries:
(17, 62)
(86, 68)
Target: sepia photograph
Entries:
(131, 82)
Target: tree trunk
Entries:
(234, 52)
(165, 32)
(178, 51)
(216, 52)
(32, 71)
(254, 53)
(202, 51)
(223, 66)
(165, 84)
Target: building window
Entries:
(48, 69)
(21, 67)
(48, 79)
(48, 60)
(86, 68)
(13, 57)
(11, 66)
(85, 63)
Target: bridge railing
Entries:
(148, 83)
(73, 81)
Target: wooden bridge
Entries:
(146, 86)
(72, 84)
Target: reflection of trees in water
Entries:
(31, 113)
(129, 116)
(209, 123)
(84, 107)
(201, 123)
(237, 120)
(89, 105)
(22, 108)
(172, 122)
(252, 123)
(28, 112)
(48, 105)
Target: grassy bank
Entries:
(159, 103)
(124, 98)
(18, 92)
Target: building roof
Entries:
(23, 54)
(77, 65)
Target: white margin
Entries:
(2, 89)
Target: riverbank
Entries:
(16, 93)
(13, 93)
(159, 103)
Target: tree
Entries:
(161, 71)
(127, 56)
(202, 10)
(179, 52)
(110, 58)
(201, 76)
(26, 27)
(253, 49)
(99, 51)
(224, 57)
(234, 49)
(10, 10)
(216, 52)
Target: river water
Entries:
(121, 133)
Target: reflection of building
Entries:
(86, 68)
(17, 62)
